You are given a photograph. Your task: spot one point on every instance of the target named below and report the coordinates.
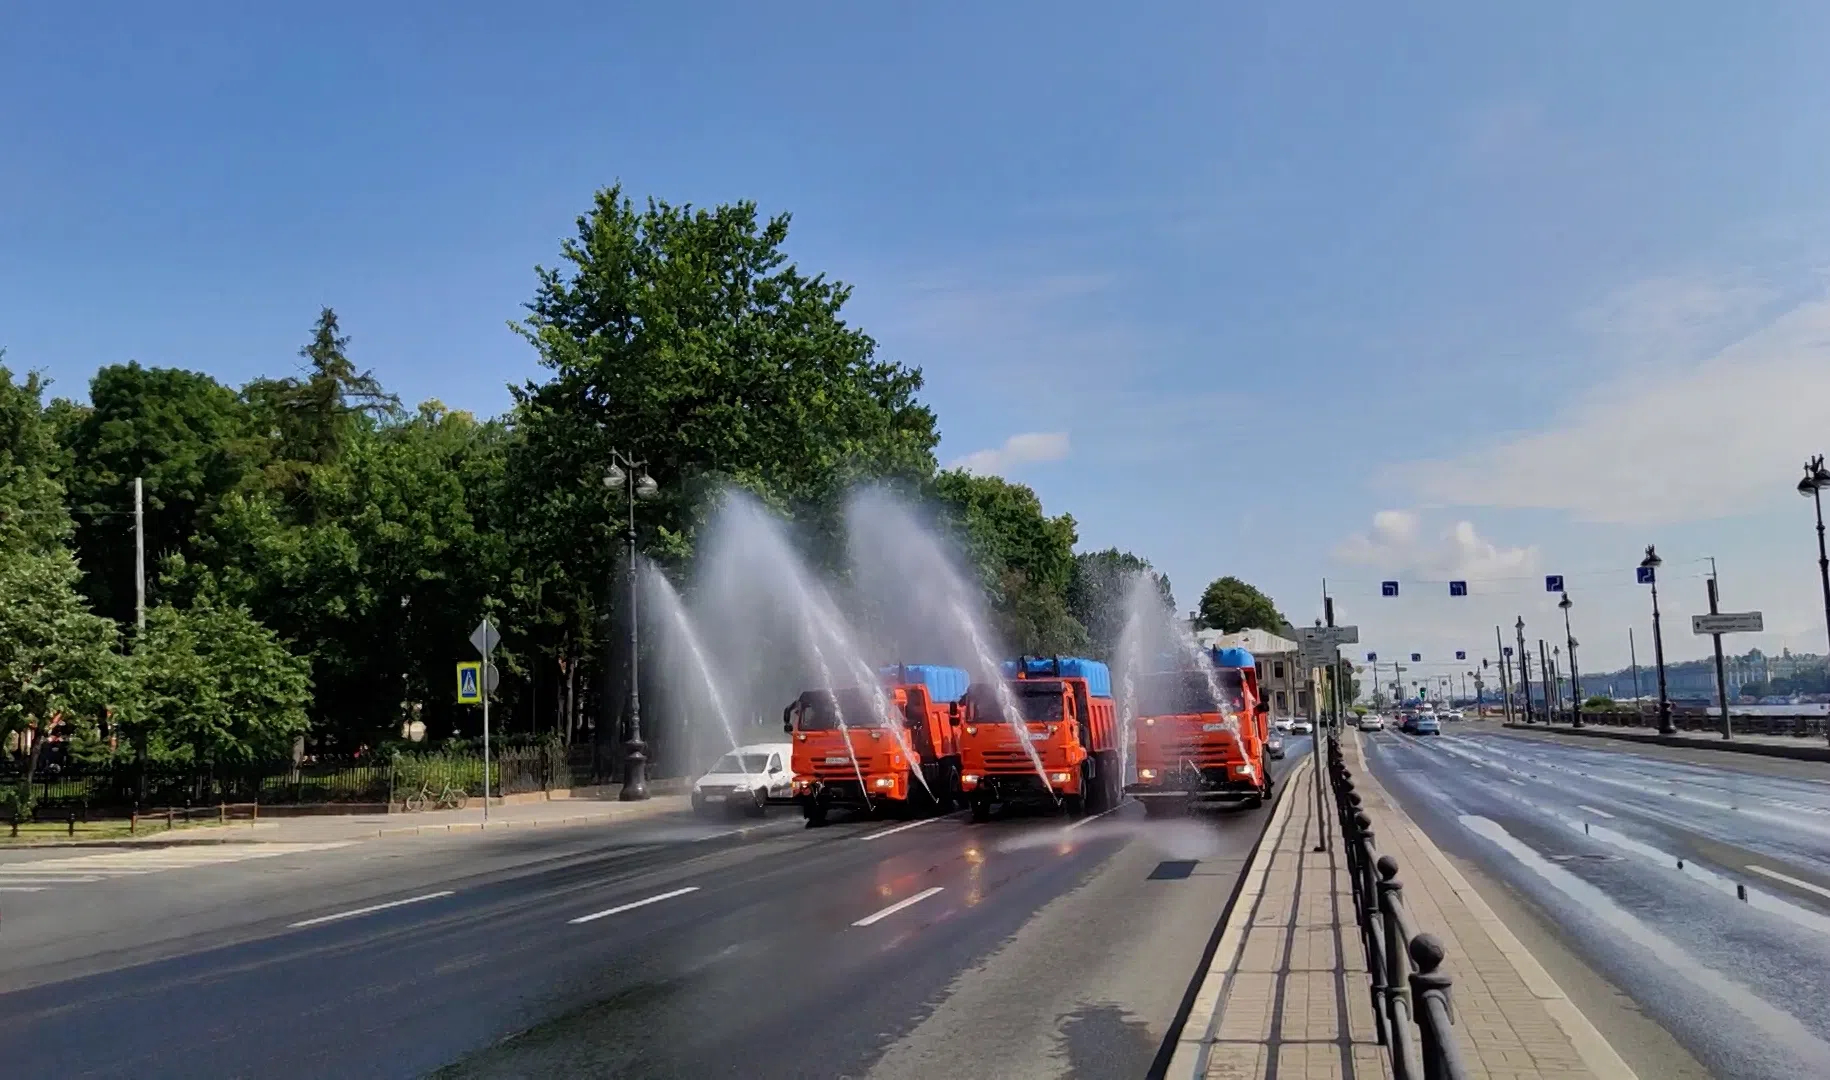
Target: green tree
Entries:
(214, 688)
(1230, 605)
(188, 437)
(1025, 559)
(1099, 595)
(32, 514)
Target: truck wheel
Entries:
(815, 813)
(759, 804)
(1075, 805)
(1158, 808)
(981, 808)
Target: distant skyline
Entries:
(1284, 291)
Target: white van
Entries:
(746, 780)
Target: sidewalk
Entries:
(553, 814)
(1798, 748)
(1288, 983)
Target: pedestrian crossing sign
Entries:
(470, 683)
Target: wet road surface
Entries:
(1700, 888)
(1027, 946)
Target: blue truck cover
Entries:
(1097, 674)
(1234, 657)
(945, 684)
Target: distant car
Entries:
(1274, 747)
(1453, 714)
(1425, 725)
(1301, 727)
(1372, 722)
(746, 780)
(1282, 727)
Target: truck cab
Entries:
(892, 747)
(1201, 736)
(1048, 735)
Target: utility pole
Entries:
(139, 556)
(1524, 669)
(1544, 671)
(1728, 730)
(1499, 643)
(1633, 655)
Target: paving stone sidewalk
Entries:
(1288, 995)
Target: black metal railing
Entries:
(1412, 1006)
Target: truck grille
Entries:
(1008, 760)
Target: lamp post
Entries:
(1816, 479)
(1575, 675)
(1524, 669)
(633, 478)
(1650, 565)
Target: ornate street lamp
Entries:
(633, 478)
(1650, 564)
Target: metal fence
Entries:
(1410, 991)
(1802, 727)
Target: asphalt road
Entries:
(1638, 863)
(1027, 946)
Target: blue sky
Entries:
(1283, 290)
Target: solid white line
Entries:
(21, 888)
(1514, 780)
(1592, 810)
(897, 906)
(1096, 817)
(900, 828)
(620, 908)
(367, 910)
(58, 880)
(1790, 880)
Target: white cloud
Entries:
(1666, 316)
(1024, 449)
(1721, 438)
(1397, 543)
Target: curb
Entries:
(199, 836)
(1795, 753)
(1590, 1045)
(1188, 1056)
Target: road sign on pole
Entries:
(1372, 657)
(1645, 576)
(1416, 657)
(470, 683)
(1458, 588)
(1461, 654)
(1737, 622)
(1388, 588)
(484, 639)
(1553, 582)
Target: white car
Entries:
(747, 780)
(1372, 722)
(1301, 727)
(1281, 727)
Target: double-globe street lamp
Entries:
(1816, 479)
(1650, 564)
(1575, 674)
(632, 477)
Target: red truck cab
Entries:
(1060, 746)
(1201, 736)
(893, 747)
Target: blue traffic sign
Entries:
(1416, 656)
(1461, 654)
(1507, 651)
(1372, 657)
(1458, 588)
(1388, 588)
(1645, 575)
(470, 678)
(1553, 582)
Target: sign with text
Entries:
(1729, 622)
(1329, 636)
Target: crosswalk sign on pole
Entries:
(470, 683)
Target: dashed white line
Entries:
(1096, 817)
(1515, 780)
(620, 908)
(897, 906)
(900, 828)
(22, 888)
(371, 909)
(1593, 810)
(1789, 880)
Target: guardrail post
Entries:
(1397, 967)
(1430, 990)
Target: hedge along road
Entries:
(658, 948)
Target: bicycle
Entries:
(451, 798)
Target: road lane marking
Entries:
(22, 888)
(1515, 780)
(368, 910)
(1592, 810)
(1095, 817)
(899, 828)
(897, 906)
(620, 908)
(1789, 880)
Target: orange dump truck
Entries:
(1060, 746)
(1201, 736)
(897, 750)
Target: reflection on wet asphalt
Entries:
(1702, 892)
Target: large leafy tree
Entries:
(32, 513)
(1230, 605)
(1099, 594)
(1025, 558)
(190, 440)
(214, 688)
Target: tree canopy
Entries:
(1230, 605)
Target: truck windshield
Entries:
(1039, 702)
(822, 710)
(1172, 692)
